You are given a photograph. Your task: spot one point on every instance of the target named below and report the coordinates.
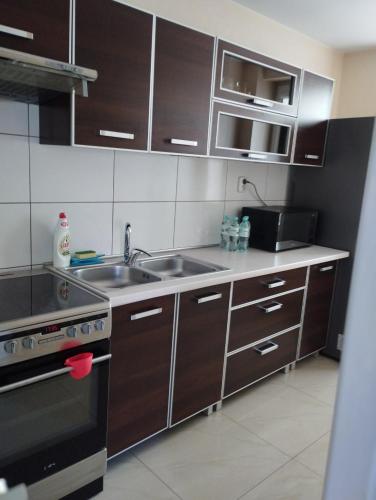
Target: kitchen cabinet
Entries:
(318, 307)
(314, 113)
(36, 27)
(182, 87)
(251, 134)
(255, 80)
(141, 344)
(200, 350)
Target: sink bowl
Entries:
(177, 266)
(114, 276)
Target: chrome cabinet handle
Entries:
(257, 156)
(326, 269)
(312, 157)
(273, 306)
(117, 135)
(8, 30)
(260, 102)
(47, 376)
(266, 348)
(183, 142)
(275, 283)
(208, 298)
(146, 314)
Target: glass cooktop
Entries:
(26, 295)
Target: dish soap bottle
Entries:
(61, 252)
(244, 232)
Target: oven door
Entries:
(49, 420)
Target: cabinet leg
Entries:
(209, 410)
(286, 369)
(218, 406)
(293, 365)
(317, 354)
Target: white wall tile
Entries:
(61, 173)
(145, 177)
(255, 173)
(15, 235)
(277, 182)
(13, 117)
(201, 179)
(90, 226)
(198, 223)
(33, 120)
(152, 225)
(14, 168)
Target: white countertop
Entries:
(241, 266)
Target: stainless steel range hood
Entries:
(34, 79)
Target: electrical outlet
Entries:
(241, 185)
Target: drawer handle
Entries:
(312, 157)
(16, 32)
(326, 269)
(266, 348)
(183, 142)
(146, 314)
(208, 298)
(277, 282)
(261, 102)
(271, 307)
(256, 156)
(117, 135)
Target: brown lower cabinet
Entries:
(258, 361)
(318, 306)
(141, 344)
(200, 350)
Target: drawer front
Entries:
(264, 286)
(252, 323)
(256, 362)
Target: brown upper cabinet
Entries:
(38, 27)
(255, 80)
(314, 113)
(182, 87)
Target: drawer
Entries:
(252, 323)
(263, 286)
(256, 362)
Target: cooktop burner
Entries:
(30, 294)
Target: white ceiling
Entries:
(343, 24)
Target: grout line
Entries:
(176, 199)
(29, 162)
(113, 203)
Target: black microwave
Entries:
(280, 228)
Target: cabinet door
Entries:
(256, 135)
(38, 27)
(314, 112)
(318, 306)
(115, 40)
(256, 80)
(200, 350)
(141, 343)
(182, 86)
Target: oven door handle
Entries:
(48, 375)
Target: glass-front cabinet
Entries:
(255, 80)
(249, 134)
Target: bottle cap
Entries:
(62, 215)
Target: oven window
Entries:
(47, 412)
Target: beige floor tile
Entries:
(210, 458)
(288, 419)
(128, 479)
(292, 482)
(315, 457)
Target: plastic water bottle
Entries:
(233, 233)
(244, 232)
(224, 231)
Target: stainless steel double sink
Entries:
(148, 270)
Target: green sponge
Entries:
(86, 254)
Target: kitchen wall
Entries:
(171, 201)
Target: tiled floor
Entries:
(268, 442)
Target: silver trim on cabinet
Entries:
(117, 135)
(208, 298)
(257, 156)
(262, 349)
(273, 306)
(9, 30)
(326, 269)
(311, 157)
(261, 102)
(184, 142)
(276, 283)
(146, 314)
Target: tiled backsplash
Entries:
(170, 201)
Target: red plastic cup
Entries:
(81, 365)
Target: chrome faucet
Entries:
(131, 255)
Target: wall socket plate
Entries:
(241, 185)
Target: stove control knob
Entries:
(99, 325)
(86, 328)
(72, 331)
(10, 347)
(28, 343)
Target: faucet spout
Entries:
(127, 243)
